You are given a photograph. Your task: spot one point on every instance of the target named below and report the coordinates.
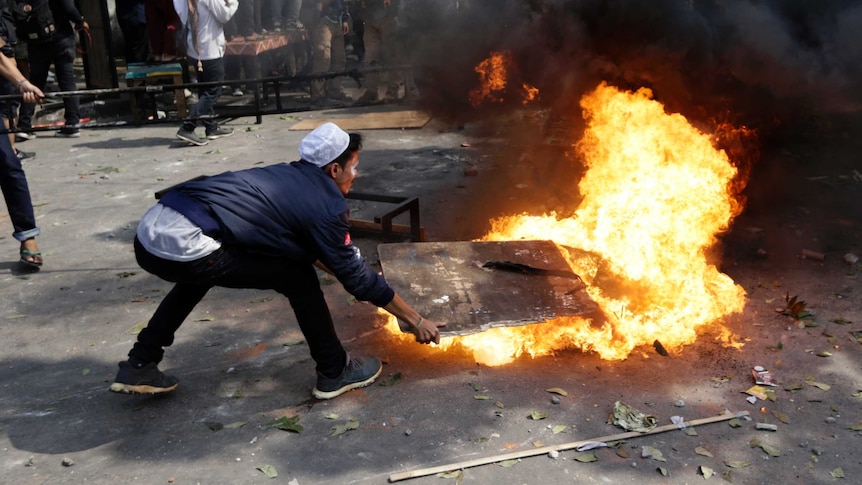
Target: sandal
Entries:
(32, 259)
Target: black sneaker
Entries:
(219, 132)
(22, 155)
(359, 372)
(146, 380)
(68, 133)
(24, 136)
(191, 137)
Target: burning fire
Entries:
(493, 74)
(655, 194)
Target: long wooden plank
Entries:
(396, 477)
(369, 121)
(446, 281)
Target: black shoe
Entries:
(359, 372)
(219, 132)
(24, 136)
(68, 133)
(146, 380)
(25, 155)
(191, 137)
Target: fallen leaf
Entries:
(781, 417)
(268, 470)
(557, 390)
(235, 425)
(837, 473)
(237, 394)
(343, 428)
(252, 128)
(735, 423)
(706, 471)
(204, 319)
(737, 464)
(820, 385)
(793, 387)
(291, 343)
(499, 404)
(857, 394)
(690, 431)
(481, 397)
(654, 453)
(727, 476)
(286, 424)
(536, 415)
(85, 372)
(769, 449)
(477, 387)
(507, 463)
(211, 152)
(662, 470)
(15, 316)
(137, 328)
(825, 353)
(622, 453)
(857, 427)
(391, 380)
(703, 451)
(560, 428)
(537, 443)
(331, 416)
(587, 457)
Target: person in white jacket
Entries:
(205, 50)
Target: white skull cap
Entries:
(324, 144)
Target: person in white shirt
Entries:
(205, 47)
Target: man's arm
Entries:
(9, 70)
(222, 10)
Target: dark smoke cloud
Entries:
(760, 63)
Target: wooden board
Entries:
(369, 121)
(446, 281)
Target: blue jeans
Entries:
(61, 53)
(233, 267)
(213, 71)
(16, 192)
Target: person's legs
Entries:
(322, 39)
(291, 14)
(213, 71)
(338, 63)
(16, 193)
(371, 39)
(64, 59)
(244, 17)
(40, 61)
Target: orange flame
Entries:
(655, 195)
(493, 75)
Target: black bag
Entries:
(34, 21)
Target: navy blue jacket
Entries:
(293, 211)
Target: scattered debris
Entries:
(659, 348)
(68, 462)
(851, 258)
(706, 471)
(763, 377)
(345, 427)
(769, 449)
(557, 390)
(631, 419)
(654, 453)
(286, 423)
(766, 427)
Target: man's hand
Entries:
(31, 94)
(426, 331)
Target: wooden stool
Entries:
(143, 75)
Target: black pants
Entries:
(60, 52)
(231, 267)
(213, 71)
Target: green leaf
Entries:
(536, 415)
(499, 404)
(735, 423)
(857, 427)
(837, 473)
(85, 372)
(706, 471)
(727, 476)
(477, 387)
(560, 428)
(345, 427)
(286, 424)
(331, 416)
(391, 380)
(268, 470)
(508, 463)
(654, 453)
(481, 397)
(235, 425)
(793, 387)
(587, 457)
(737, 464)
(557, 390)
(663, 471)
(781, 417)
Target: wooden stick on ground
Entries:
(395, 477)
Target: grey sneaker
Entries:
(191, 137)
(22, 155)
(146, 380)
(359, 372)
(219, 132)
(24, 136)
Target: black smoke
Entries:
(759, 63)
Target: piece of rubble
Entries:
(766, 427)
